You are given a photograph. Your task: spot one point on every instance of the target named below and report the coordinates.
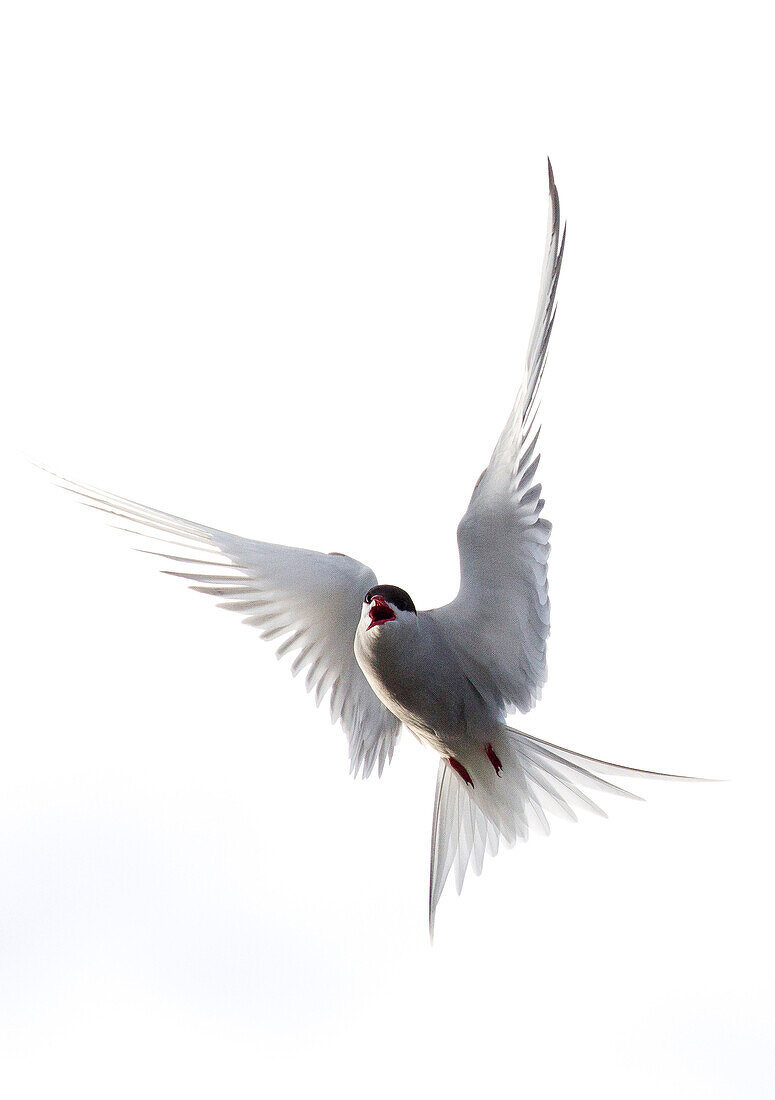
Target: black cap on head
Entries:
(390, 592)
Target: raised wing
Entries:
(500, 616)
(310, 602)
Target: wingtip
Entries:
(59, 481)
(554, 198)
(38, 465)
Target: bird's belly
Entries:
(420, 716)
(411, 702)
(426, 696)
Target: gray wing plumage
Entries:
(307, 601)
(500, 615)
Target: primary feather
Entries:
(306, 601)
(501, 612)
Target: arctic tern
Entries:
(450, 675)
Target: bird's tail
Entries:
(504, 792)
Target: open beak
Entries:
(380, 612)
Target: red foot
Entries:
(461, 771)
(493, 758)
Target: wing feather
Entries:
(500, 616)
(307, 601)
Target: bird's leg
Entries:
(461, 771)
(494, 760)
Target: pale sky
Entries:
(273, 268)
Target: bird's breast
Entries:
(416, 677)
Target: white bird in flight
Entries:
(450, 675)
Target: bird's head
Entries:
(384, 604)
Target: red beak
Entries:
(380, 612)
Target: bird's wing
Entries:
(307, 601)
(539, 780)
(500, 616)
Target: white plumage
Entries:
(452, 674)
(307, 601)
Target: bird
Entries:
(452, 675)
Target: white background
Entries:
(273, 267)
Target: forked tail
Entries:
(537, 779)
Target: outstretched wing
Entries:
(500, 616)
(308, 601)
